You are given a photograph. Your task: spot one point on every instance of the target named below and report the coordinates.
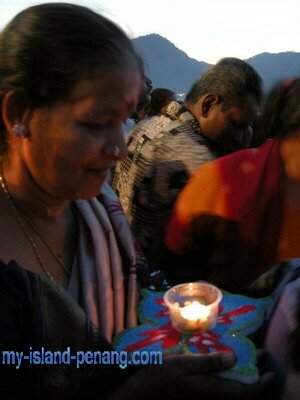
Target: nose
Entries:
(148, 83)
(116, 147)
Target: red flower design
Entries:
(207, 341)
(165, 333)
(204, 341)
(225, 319)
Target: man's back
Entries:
(163, 152)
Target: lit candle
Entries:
(193, 306)
(192, 316)
(195, 311)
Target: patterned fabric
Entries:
(163, 152)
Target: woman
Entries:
(160, 100)
(240, 214)
(68, 79)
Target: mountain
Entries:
(168, 66)
(275, 67)
(172, 68)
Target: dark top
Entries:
(36, 314)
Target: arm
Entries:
(194, 376)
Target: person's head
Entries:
(225, 101)
(281, 113)
(68, 79)
(281, 118)
(160, 99)
(144, 96)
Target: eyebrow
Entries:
(96, 114)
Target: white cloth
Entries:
(99, 281)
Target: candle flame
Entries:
(194, 311)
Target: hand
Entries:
(191, 375)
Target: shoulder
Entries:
(236, 164)
(128, 125)
(149, 127)
(255, 156)
(182, 147)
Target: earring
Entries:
(20, 130)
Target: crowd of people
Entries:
(215, 119)
(200, 203)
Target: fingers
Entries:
(195, 375)
(206, 364)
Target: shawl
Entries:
(99, 282)
(244, 188)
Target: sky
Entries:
(206, 30)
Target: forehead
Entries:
(115, 89)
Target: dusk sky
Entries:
(205, 30)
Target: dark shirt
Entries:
(35, 314)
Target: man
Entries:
(163, 152)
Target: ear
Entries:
(208, 101)
(15, 109)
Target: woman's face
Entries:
(71, 145)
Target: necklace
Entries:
(27, 234)
(35, 229)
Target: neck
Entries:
(29, 195)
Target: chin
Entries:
(88, 193)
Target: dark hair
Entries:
(281, 113)
(160, 98)
(231, 79)
(47, 48)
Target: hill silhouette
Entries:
(168, 66)
(172, 68)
